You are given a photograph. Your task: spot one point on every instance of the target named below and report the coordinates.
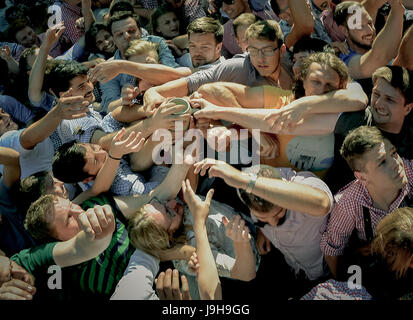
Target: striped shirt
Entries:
(101, 274)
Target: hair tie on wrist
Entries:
(113, 157)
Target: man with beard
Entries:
(368, 51)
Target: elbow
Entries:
(325, 205)
(248, 277)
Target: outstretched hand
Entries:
(199, 209)
(133, 143)
(167, 286)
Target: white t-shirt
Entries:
(138, 278)
(31, 161)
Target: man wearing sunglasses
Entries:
(260, 66)
(290, 210)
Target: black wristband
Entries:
(113, 157)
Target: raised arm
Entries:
(39, 66)
(404, 57)
(98, 224)
(9, 158)
(244, 267)
(303, 21)
(105, 176)
(68, 107)
(384, 47)
(372, 7)
(209, 285)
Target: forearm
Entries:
(79, 249)
(40, 130)
(344, 100)
(372, 7)
(143, 160)
(172, 183)
(293, 196)
(176, 88)
(89, 17)
(128, 114)
(208, 281)
(244, 267)
(247, 118)
(37, 74)
(332, 262)
(178, 252)
(105, 176)
(303, 21)
(387, 42)
(156, 74)
(11, 171)
(114, 105)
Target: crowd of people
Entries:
(206, 150)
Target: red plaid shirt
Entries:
(70, 14)
(348, 213)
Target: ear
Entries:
(344, 30)
(408, 108)
(361, 176)
(219, 47)
(283, 49)
(88, 179)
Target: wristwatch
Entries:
(252, 183)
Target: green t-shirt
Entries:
(94, 279)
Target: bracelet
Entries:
(252, 183)
(113, 157)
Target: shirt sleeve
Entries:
(111, 91)
(17, 110)
(137, 281)
(36, 258)
(339, 229)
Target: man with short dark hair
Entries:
(261, 65)
(384, 182)
(368, 51)
(289, 209)
(205, 42)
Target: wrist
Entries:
(114, 156)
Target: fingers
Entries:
(159, 286)
(119, 135)
(85, 225)
(92, 215)
(185, 289)
(18, 290)
(167, 284)
(208, 197)
(176, 292)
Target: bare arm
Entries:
(244, 267)
(156, 95)
(303, 21)
(290, 195)
(384, 47)
(404, 57)
(155, 74)
(91, 241)
(68, 107)
(9, 158)
(372, 7)
(37, 73)
(232, 94)
(209, 285)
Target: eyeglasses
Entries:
(266, 52)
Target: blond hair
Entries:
(139, 47)
(394, 240)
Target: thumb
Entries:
(209, 196)
(68, 93)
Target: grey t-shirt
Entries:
(239, 69)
